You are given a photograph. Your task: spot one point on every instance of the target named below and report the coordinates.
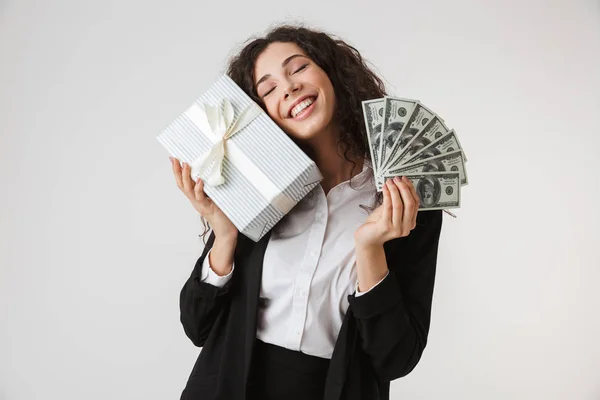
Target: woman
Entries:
(335, 301)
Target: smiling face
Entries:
(296, 92)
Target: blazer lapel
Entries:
(253, 271)
(341, 357)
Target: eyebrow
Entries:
(283, 64)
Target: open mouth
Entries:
(303, 108)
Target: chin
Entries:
(309, 129)
(307, 134)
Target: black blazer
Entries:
(381, 339)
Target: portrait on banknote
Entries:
(429, 191)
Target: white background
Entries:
(96, 240)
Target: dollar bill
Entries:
(436, 190)
(396, 113)
(417, 121)
(453, 162)
(447, 143)
(435, 129)
(373, 114)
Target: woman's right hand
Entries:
(221, 225)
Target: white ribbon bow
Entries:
(218, 123)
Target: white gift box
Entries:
(252, 170)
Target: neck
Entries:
(325, 152)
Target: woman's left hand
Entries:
(395, 218)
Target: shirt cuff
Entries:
(358, 294)
(209, 276)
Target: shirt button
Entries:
(313, 253)
(302, 293)
(297, 333)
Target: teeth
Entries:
(301, 106)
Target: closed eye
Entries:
(301, 68)
(296, 71)
(264, 95)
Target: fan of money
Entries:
(408, 139)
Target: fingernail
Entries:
(397, 178)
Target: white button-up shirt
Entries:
(310, 268)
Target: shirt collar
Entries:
(365, 175)
(360, 179)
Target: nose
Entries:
(291, 88)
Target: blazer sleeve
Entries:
(200, 302)
(393, 318)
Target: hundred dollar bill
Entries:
(373, 113)
(452, 161)
(396, 113)
(417, 121)
(435, 129)
(447, 143)
(436, 190)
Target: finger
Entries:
(199, 194)
(386, 212)
(417, 202)
(413, 191)
(397, 205)
(177, 172)
(410, 208)
(188, 184)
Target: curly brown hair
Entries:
(352, 79)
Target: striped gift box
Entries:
(264, 172)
